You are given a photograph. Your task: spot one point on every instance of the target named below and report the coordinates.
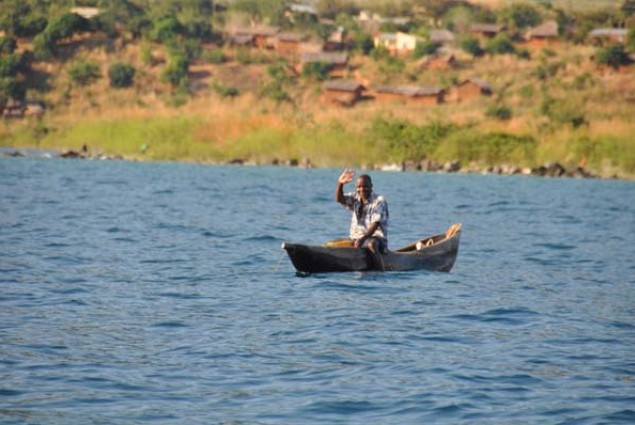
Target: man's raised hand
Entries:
(346, 176)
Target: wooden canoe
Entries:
(437, 253)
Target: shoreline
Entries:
(551, 169)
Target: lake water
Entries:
(158, 293)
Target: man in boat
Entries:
(369, 223)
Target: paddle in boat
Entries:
(437, 253)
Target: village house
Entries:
(338, 62)
(486, 31)
(470, 88)
(425, 96)
(336, 41)
(543, 35)
(442, 37)
(601, 36)
(437, 62)
(344, 93)
(260, 37)
(398, 44)
(288, 44)
(13, 109)
(296, 10)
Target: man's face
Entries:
(364, 188)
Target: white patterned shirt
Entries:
(375, 210)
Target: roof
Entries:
(86, 12)
(410, 91)
(303, 8)
(487, 28)
(326, 57)
(484, 85)
(289, 37)
(609, 32)
(388, 36)
(545, 30)
(241, 39)
(343, 86)
(441, 36)
(261, 31)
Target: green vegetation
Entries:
(121, 75)
(84, 73)
(553, 103)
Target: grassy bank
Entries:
(210, 130)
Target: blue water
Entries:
(158, 293)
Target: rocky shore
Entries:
(550, 169)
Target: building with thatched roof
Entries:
(343, 93)
(410, 94)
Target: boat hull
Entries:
(439, 255)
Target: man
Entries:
(369, 224)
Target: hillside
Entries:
(552, 104)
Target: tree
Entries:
(433, 9)
(521, 16)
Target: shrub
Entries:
(7, 45)
(502, 113)
(10, 88)
(613, 56)
(426, 48)
(166, 28)
(84, 73)
(67, 25)
(501, 44)
(523, 54)
(275, 91)
(213, 56)
(363, 43)
(630, 39)
(317, 70)
(472, 46)
(403, 140)
(9, 65)
(225, 91)
(176, 72)
(121, 75)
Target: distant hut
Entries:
(411, 94)
(398, 44)
(261, 37)
(443, 37)
(601, 36)
(439, 62)
(486, 31)
(13, 109)
(34, 108)
(543, 35)
(344, 93)
(288, 44)
(471, 87)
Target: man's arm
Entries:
(345, 177)
(371, 230)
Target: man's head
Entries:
(364, 186)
